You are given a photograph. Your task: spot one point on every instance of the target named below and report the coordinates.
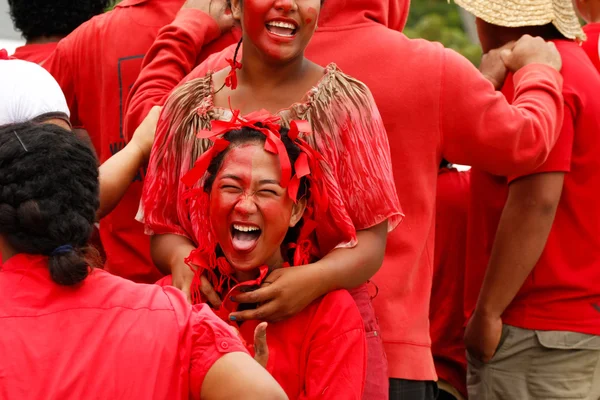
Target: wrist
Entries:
(488, 311)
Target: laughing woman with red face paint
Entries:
(347, 132)
(255, 224)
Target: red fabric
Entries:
(35, 53)
(96, 66)
(562, 292)
(106, 338)
(426, 116)
(591, 45)
(446, 308)
(319, 353)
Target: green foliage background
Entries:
(440, 21)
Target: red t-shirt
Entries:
(106, 338)
(96, 66)
(427, 115)
(319, 353)
(446, 307)
(562, 292)
(35, 53)
(592, 44)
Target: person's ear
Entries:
(236, 9)
(297, 211)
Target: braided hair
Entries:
(48, 197)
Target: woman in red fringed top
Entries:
(260, 198)
(348, 133)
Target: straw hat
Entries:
(517, 13)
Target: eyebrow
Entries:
(261, 182)
(230, 176)
(268, 181)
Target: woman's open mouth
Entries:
(244, 237)
(281, 28)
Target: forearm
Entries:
(116, 174)
(172, 56)
(520, 240)
(349, 268)
(169, 250)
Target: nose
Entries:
(286, 5)
(246, 205)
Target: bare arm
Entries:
(520, 240)
(299, 286)
(238, 376)
(117, 173)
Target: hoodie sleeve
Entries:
(172, 56)
(480, 128)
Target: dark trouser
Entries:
(402, 389)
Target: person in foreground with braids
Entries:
(30, 94)
(73, 332)
(348, 133)
(255, 224)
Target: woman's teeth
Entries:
(281, 28)
(245, 228)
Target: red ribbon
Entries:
(3, 54)
(231, 79)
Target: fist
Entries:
(492, 66)
(531, 50)
(218, 9)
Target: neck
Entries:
(6, 250)
(275, 263)
(503, 35)
(45, 39)
(260, 72)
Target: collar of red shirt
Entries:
(24, 261)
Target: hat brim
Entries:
(515, 13)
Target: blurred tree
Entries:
(440, 21)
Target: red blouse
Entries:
(347, 131)
(105, 338)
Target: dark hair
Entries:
(38, 18)
(48, 196)
(248, 135)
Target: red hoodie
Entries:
(434, 103)
(96, 66)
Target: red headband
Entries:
(273, 144)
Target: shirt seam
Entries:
(87, 308)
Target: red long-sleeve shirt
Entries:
(433, 103)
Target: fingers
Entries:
(262, 295)
(209, 292)
(265, 312)
(261, 350)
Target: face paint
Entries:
(250, 212)
(281, 29)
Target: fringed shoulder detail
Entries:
(349, 132)
(187, 110)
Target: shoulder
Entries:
(333, 316)
(579, 73)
